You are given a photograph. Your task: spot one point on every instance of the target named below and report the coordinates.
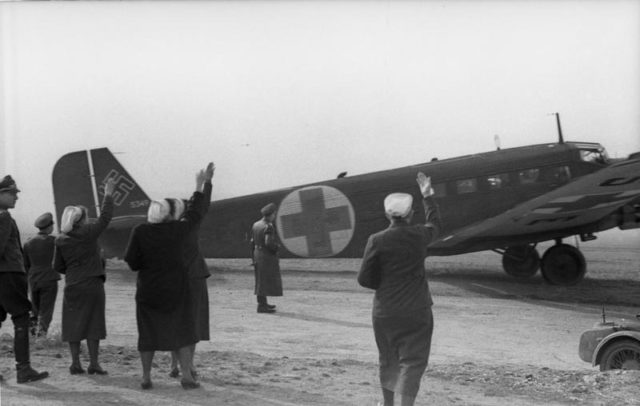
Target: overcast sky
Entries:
(282, 93)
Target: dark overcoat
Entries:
(265, 259)
(163, 303)
(77, 255)
(198, 274)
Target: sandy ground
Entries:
(497, 341)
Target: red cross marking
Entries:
(315, 222)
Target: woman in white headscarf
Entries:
(78, 256)
(156, 250)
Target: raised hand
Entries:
(109, 187)
(424, 182)
(209, 171)
(200, 178)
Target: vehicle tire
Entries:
(621, 354)
(563, 264)
(521, 261)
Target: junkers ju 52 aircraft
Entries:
(506, 200)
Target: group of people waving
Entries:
(172, 303)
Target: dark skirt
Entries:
(200, 306)
(83, 309)
(160, 329)
(404, 344)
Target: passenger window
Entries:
(498, 181)
(529, 176)
(466, 186)
(558, 175)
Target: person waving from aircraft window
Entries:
(393, 265)
(77, 256)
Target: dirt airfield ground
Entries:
(497, 341)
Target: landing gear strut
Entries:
(521, 261)
(563, 264)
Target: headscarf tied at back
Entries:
(71, 216)
(162, 211)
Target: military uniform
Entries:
(43, 280)
(265, 258)
(393, 264)
(13, 284)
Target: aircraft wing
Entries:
(584, 205)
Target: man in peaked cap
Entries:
(43, 280)
(13, 283)
(393, 265)
(264, 247)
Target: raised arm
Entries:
(208, 186)
(431, 209)
(198, 205)
(106, 212)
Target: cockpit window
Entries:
(598, 156)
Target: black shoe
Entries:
(28, 374)
(76, 370)
(271, 306)
(96, 370)
(265, 309)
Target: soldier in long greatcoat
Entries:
(264, 243)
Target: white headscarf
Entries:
(398, 205)
(70, 217)
(159, 211)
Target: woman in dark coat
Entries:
(198, 274)
(163, 308)
(77, 255)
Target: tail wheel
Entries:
(622, 354)
(521, 261)
(563, 265)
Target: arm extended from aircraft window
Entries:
(431, 209)
(432, 215)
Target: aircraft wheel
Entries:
(622, 354)
(563, 264)
(521, 261)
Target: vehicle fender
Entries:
(635, 335)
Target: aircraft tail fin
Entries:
(79, 178)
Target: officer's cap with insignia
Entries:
(43, 221)
(8, 185)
